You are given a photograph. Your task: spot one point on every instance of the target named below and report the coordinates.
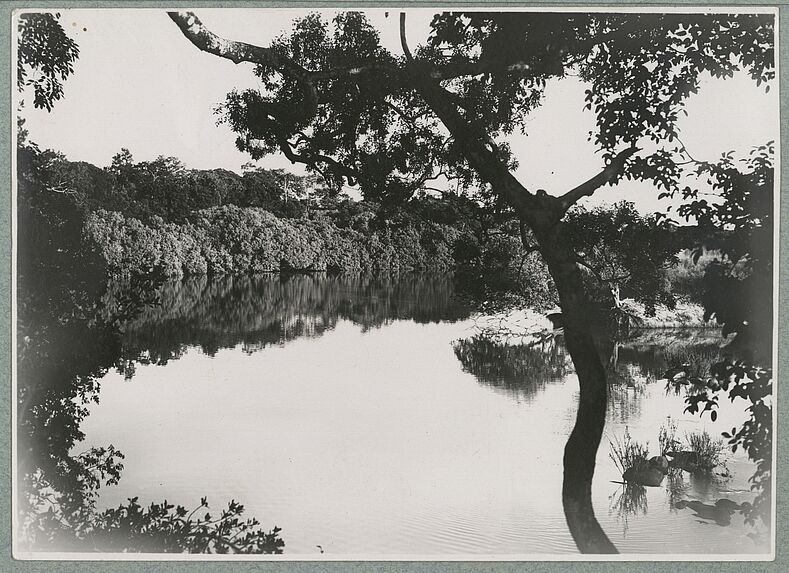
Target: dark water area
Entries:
(369, 416)
(262, 310)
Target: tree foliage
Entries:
(166, 189)
(45, 57)
(738, 286)
(738, 293)
(335, 99)
(626, 253)
(231, 240)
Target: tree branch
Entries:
(475, 68)
(478, 149)
(607, 175)
(403, 40)
(340, 72)
(312, 160)
(528, 246)
(237, 52)
(485, 66)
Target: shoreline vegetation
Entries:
(160, 219)
(516, 325)
(229, 240)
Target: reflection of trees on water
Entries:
(654, 351)
(631, 363)
(522, 370)
(63, 352)
(626, 501)
(258, 311)
(643, 358)
(517, 369)
(624, 401)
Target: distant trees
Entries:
(166, 189)
(231, 240)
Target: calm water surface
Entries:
(361, 415)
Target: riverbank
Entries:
(521, 324)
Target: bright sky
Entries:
(139, 84)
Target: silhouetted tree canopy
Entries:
(45, 57)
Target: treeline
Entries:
(158, 217)
(137, 217)
(166, 189)
(234, 240)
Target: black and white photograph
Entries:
(418, 284)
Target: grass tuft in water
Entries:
(709, 451)
(627, 453)
(667, 437)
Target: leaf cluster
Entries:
(743, 380)
(45, 57)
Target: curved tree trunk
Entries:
(581, 448)
(542, 213)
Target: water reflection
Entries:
(720, 512)
(449, 463)
(63, 353)
(654, 351)
(628, 500)
(263, 310)
(632, 367)
(523, 368)
(520, 370)
(676, 486)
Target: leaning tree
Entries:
(335, 99)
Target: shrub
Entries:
(667, 437)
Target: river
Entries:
(367, 417)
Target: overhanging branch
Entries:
(313, 159)
(237, 52)
(478, 149)
(205, 40)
